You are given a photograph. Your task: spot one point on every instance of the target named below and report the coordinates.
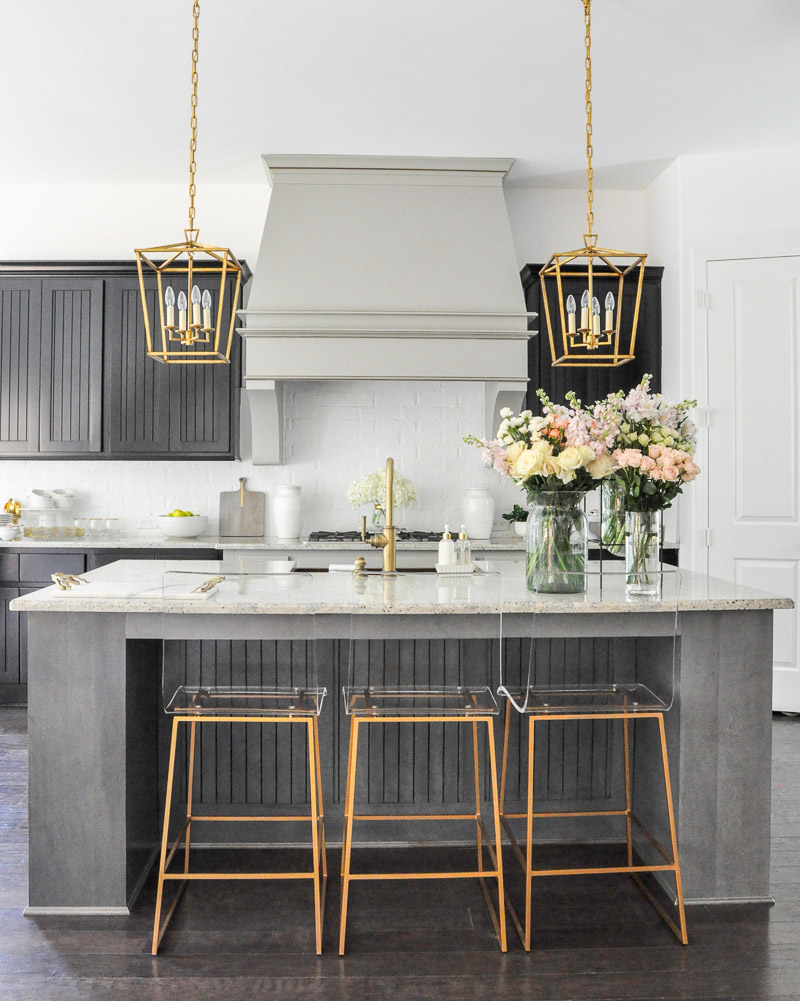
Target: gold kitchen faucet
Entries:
(387, 540)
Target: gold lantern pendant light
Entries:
(200, 330)
(589, 336)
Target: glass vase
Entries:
(557, 543)
(642, 552)
(612, 498)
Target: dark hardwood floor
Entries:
(595, 937)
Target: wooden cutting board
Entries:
(241, 512)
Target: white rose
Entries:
(531, 461)
(643, 439)
(570, 458)
(601, 467)
(513, 452)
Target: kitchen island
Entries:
(96, 718)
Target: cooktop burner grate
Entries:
(402, 536)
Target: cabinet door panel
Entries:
(9, 639)
(20, 321)
(136, 387)
(72, 365)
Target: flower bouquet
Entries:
(556, 458)
(371, 489)
(654, 444)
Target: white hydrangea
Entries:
(371, 489)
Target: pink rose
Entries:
(669, 473)
(634, 458)
(655, 451)
(655, 474)
(647, 464)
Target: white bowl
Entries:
(9, 532)
(182, 528)
(63, 498)
(40, 499)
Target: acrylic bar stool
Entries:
(470, 702)
(627, 701)
(292, 697)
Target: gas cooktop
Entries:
(402, 536)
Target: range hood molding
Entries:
(383, 268)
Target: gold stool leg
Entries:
(157, 931)
(189, 792)
(683, 937)
(506, 727)
(476, 773)
(529, 837)
(348, 831)
(312, 771)
(498, 839)
(321, 810)
(628, 826)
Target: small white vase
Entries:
(287, 511)
(477, 513)
(521, 528)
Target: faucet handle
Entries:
(363, 528)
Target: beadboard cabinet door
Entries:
(20, 324)
(70, 414)
(137, 389)
(154, 410)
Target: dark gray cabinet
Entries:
(22, 572)
(20, 326)
(75, 379)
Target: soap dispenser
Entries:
(463, 548)
(447, 552)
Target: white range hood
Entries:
(383, 268)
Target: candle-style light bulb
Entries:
(585, 310)
(182, 305)
(595, 317)
(169, 301)
(609, 304)
(207, 309)
(571, 308)
(195, 305)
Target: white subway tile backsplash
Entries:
(335, 432)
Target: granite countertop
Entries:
(404, 594)
(149, 540)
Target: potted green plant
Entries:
(517, 517)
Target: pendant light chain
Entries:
(193, 119)
(587, 17)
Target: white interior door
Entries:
(753, 461)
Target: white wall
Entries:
(700, 208)
(334, 431)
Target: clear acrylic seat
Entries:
(414, 683)
(531, 690)
(288, 684)
(632, 687)
(270, 678)
(426, 671)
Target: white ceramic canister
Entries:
(287, 511)
(477, 513)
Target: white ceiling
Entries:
(97, 91)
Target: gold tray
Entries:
(54, 532)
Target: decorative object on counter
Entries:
(204, 334)
(565, 451)
(463, 548)
(477, 510)
(63, 498)
(40, 500)
(580, 340)
(653, 458)
(517, 518)
(66, 581)
(447, 550)
(186, 527)
(13, 508)
(53, 532)
(9, 532)
(455, 568)
(371, 489)
(287, 511)
(241, 512)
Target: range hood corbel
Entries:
(383, 268)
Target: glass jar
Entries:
(642, 552)
(612, 499)
(557, 542)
